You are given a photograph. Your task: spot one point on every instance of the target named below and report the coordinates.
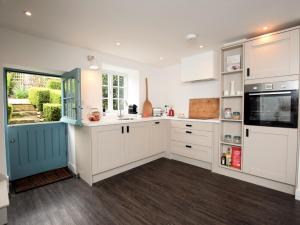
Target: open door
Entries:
(71, 97)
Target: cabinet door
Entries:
(137, 141)
(158, 137)
(272, 55)
(271, 153)
(107, 148)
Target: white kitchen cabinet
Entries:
(137, 141)
(158, 137)
(271, 153)
(108, 149)
(272, 55)
(204, 66)
(192, 139)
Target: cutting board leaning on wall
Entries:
(204, 108)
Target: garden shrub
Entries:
(55, 96)
(10, 84)
(21, 93)
(10, 110)
(39, 96)
(54, 84)
(51, 112)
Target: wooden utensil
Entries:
(204, 108)
(147, 107)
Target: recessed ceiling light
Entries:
(191, 36)
(27, 13)
(201, 46)
(265, 28)
(161, 58)
(118, 43)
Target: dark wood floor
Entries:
(162, 192)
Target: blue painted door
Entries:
(36, 148)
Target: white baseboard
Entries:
(121, 169)
(297, 194)
(190, 161)
(72, 168)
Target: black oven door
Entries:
(273, 109)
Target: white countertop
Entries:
(110, 120)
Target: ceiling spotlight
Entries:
(161, 58)
(201, 46)
(118, 43)
(27, 13)
(191, 36)
(265, 28)
(92, 62)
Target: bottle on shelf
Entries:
(228, 156)
(223, 159)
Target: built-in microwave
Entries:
(272, 104)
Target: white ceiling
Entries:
(148, 29)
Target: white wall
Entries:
(168, 89)
(25, 51)
(28, 52)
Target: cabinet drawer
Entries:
(198, 137)
(198, 152)
(192, 125)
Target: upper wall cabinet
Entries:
(272, 55)
(204, 66)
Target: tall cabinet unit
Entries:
(231, 107)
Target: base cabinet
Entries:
(271, 153)
(136, 141)
(113, 146)
(108, 149)
(192, 139)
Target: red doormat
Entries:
(41, 179)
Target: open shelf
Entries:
(232, 72)
(230, 168)
(230, 144)
(231, 120)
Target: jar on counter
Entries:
(227, 113)
(94, 114)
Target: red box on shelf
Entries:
(236, 155)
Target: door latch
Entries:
(12, 141)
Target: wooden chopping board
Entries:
(204, 108)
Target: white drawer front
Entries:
(198, 137)
(192, 125)
(192, 151)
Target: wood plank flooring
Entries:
(163, 192)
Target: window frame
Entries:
(110, 88)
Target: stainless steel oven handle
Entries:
(271, 93)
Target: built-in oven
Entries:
(272, 104)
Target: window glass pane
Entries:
(104, 79)
(121, 81)
(105, 104)
(121, 104)
(73, 87)
(115, 80)
(105, 91)
(115, 92)
(115, 104)
(121, 93)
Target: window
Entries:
(71, 109)
(114, 93)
